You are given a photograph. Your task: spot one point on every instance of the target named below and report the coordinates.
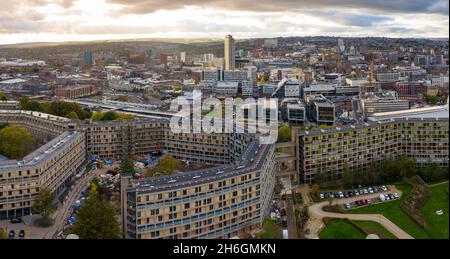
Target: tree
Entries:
(284, 134)
(96, 219)
(97, 116)
(2, 234)
(110, 116)
(347, 177)
(72, 115)
(15, 141)
(315, 190)
(127, 165)
(3, 96)
(431, 99)
(168, 165)
(44, 204)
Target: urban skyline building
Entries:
(229, 53)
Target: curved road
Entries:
(317, 211)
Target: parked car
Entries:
(22, 234)
(346, 195)
(396, 195)
(391, 196)
(351, 194)
(341, 195)
(347, 206)
(11, 234)
(285, 234)
(336, 195)
(382, 197)
(365, 191)
(16, 220)
(364, 202)
(369, 202)
(384, 188)
(322, 196)
(375, 189)
(387, 197)
(326, 195)
(283, 212)
(358, 203)
(284, 223)
(356, 192)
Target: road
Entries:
(292, 224)
(316, 211)
(63, 212)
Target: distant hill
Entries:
(66, 43)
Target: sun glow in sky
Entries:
(82, 20)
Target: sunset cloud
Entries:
(50, 20)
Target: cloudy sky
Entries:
(68, 20)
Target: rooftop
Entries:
(251, 160)
(44, 153)
(421, 113)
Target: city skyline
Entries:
(82, 20)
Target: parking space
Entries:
(370, 201)
(353, 193)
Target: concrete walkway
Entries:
(316, 212)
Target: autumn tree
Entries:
(284, 134)
(97, 116)
(96, 219)
(72, 115)
(15, 141)
(44, 204)
(2, 96)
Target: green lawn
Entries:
(340, 229)
(372, 227)
(437, 226)
(270, 230)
